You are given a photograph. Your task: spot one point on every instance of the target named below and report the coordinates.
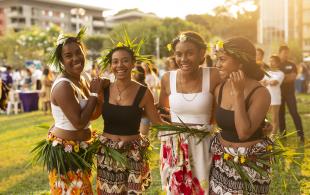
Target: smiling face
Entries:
(122, 64)
(226, 65)
(274, 63)
(188, 56)
(73, 58)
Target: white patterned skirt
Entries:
(185, 164)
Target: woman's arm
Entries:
(98, 109)
(247, 122)
(163, 103)
(63, 96)
(150, 109)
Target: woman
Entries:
(273, 82)
(242, 104)
(47, 82)
(188, 93)
(65, 152)
(123, 103)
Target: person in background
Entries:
(139, 76)
(17, 77)
(288, 93)
(209, 61)
(260, 58)
(170, 64)
(151, 79)
(47, 82)
(27, 79)
(272, 82)
(6, 77)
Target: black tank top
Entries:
(122, 120)
(226, 121)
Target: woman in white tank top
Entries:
(185, 165)
(73, 104)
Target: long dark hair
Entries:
(243, 50)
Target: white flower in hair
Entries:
(182, 37)
(61, 39)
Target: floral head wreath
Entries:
(54, 59)
(220, 46)
(182, 38)
(127, 43)
(232, 50)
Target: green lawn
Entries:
(18, 134)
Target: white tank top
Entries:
(61, 121)
(191, 108)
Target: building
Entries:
(282, 22)
(19, 14)
(127, 16)
(306, 28)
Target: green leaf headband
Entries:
(243, 56)
(127, 43)
(183, 38)
(54, 59)
(220, 46)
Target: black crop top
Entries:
(122, 120)
(225, 120)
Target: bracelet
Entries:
(93, 94)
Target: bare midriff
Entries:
(124, 138)
(76, 135)
(226, 143)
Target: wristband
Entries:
(93, 94)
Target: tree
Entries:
(151, 28)
(224, 24)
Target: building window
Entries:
(50, 13)
(62, 15)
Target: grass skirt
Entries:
(68, 163)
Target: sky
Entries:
(162, 8)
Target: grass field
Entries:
(18, 134)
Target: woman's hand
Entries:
(164, 113)
(95, 85)
(237, 81)
(104, 83)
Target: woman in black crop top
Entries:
(123, 104)
(242, 104)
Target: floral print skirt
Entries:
(226, 180)
(116, 178)
(185, 164)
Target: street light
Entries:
(78, 12)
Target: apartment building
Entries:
(19, 14)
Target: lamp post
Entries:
(78, 12)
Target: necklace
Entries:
(119, 95)
(183, 95)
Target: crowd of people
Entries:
(235, 93)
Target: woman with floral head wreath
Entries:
(188, 93)
(122, 160)
(242, 104)
(65, 153)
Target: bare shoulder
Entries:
(165, 78)
(62, 88)
(261, 94)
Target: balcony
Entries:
(98, 23)
(15, 14)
